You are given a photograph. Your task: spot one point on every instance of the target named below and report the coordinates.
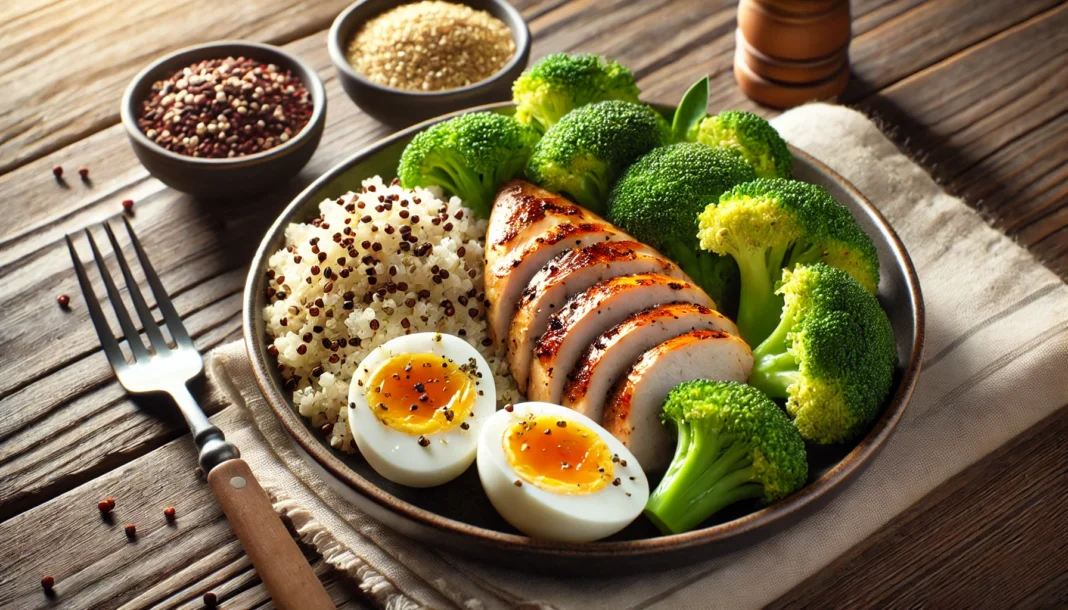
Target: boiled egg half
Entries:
(555, 474)
(417, 405)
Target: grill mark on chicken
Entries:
(529, 205)
(564, 263)
(549, 343)
(619, 405)
(552, 237)
(579, 378)
(618, 417)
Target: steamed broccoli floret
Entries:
(762, 146)
(468, 156)
(658, 198)
(734, 443)
(832, 355)
(584, 153)
(771, 224)
(560, 83)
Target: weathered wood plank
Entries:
(169, 565)
(990, 537)
(926, 34)
(64, 65)
(1005, 113)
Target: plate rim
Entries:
(837, 477)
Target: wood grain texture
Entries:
(992, 140)
(65, 64)
(968, 544)
(977, 91)
(168, 565)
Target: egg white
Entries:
(397, 455)
(556, 516)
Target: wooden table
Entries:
(978, 91)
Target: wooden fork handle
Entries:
(274, 553)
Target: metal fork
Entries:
(275, 555)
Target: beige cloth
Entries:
(996, 363)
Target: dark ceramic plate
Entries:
(458, 516)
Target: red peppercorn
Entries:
(63, 300)
(127, 204)
(169, 513)
(210, 600)
(131, 530)
(57, 171)
(104, 506)
(48, 582)
(83, 171)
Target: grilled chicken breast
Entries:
(506, 280)
(590, 314)
(632, 414)
(612, 354)
(528, 227)
(523, 211)
(565, 276)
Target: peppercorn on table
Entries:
(977, 90)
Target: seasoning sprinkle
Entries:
(169, 513)
(131, 530)
(48, 583)
(64, 301)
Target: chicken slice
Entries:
(609, 357)
(632, 414)
(523, 211)
(565, 276)
(593, 312)
(506, 280)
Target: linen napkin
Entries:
(996, 362)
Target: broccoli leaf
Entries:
(691, 110)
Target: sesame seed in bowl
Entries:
(404, 63)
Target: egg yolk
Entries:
(421, 393)
(558, 455)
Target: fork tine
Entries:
(125, 321)
(107, 340)
(147, 320)
(170, 316)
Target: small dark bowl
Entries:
(400, 107)
(224, 177)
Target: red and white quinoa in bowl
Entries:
(374, 265)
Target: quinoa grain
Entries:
(431, 46)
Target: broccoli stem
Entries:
(701, 267)
(709, 471)
(775, 368)
(760, 306)
(458, 181)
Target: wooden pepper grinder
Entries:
(789, 52)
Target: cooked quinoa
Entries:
(374, 265)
